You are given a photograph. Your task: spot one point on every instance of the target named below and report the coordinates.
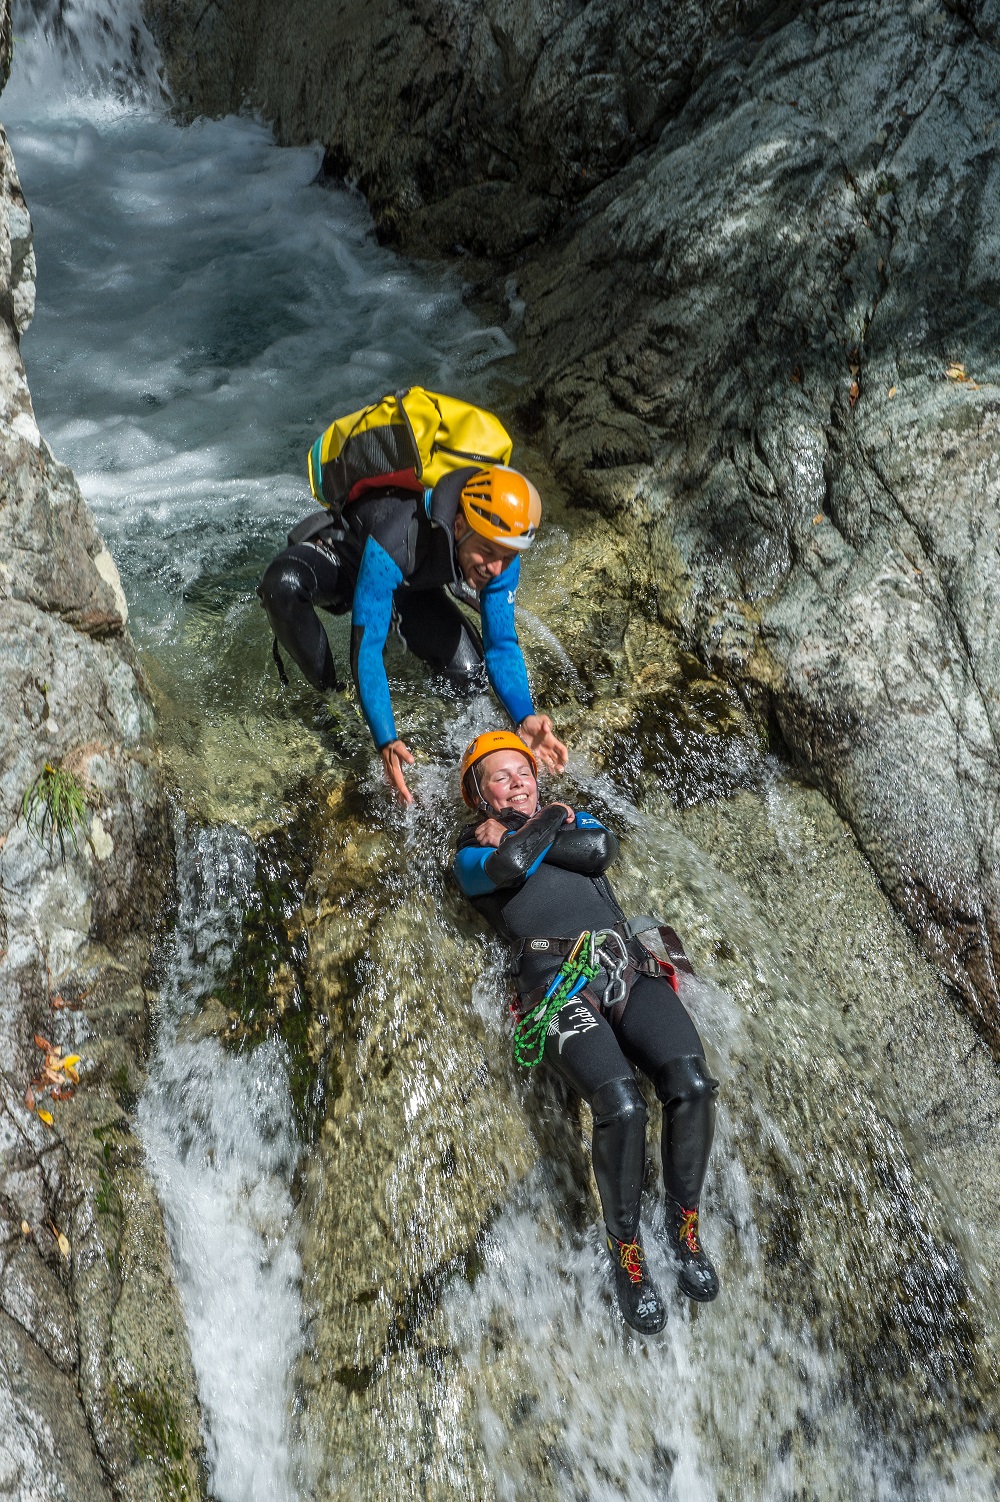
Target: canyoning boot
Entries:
(638, 1296)
(696, 1277)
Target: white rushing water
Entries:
(222, 1147)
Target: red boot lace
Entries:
(687, 1231)
(631, 1255)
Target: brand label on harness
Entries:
(539, 944)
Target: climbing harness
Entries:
(535, 1009)
(586, 957)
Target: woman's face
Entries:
(507, 781)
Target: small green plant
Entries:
(55, 804)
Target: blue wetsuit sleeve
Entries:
(481, 869)
(475, 881)
(504, 662)
(587, 821)
(470, 873)
(378, 579)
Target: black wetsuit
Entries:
(546, 880)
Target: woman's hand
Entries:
(537, 734)
(491, 832)
(394, 755)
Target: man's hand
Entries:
(537, 734)
(393, 757)
(490, 832)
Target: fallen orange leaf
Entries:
(43, 1043)
(892, 392)
(854, 392)
(819, 517)
(29, 1098)
(25, 1228)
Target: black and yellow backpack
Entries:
(407, 440)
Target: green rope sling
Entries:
(529, 1035)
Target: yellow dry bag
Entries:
(406, 441)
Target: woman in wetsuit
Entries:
(537, 875)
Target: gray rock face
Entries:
(758, 252)
(97, 1396)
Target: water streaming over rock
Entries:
(205, 305)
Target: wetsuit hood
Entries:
(446, 495)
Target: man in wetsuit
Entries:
(394, 557)
(537, 875)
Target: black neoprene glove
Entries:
(589, 851)
(514, 858)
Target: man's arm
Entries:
(480, 870)
(371, 616)
(504, 661)
(507, 672)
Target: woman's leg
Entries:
(657, 1034)
(581, 1047)
(294, 583)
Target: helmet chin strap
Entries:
(480, 800)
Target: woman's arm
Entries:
(588, 847)
(481, 870)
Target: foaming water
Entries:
(76, 47)
(222, 1149)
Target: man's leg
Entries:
(433, 627)
(294, 583)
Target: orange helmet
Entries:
(500, 504)
(480, 746)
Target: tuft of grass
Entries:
(55, 805)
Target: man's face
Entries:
(479, 559)
(507, 781)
